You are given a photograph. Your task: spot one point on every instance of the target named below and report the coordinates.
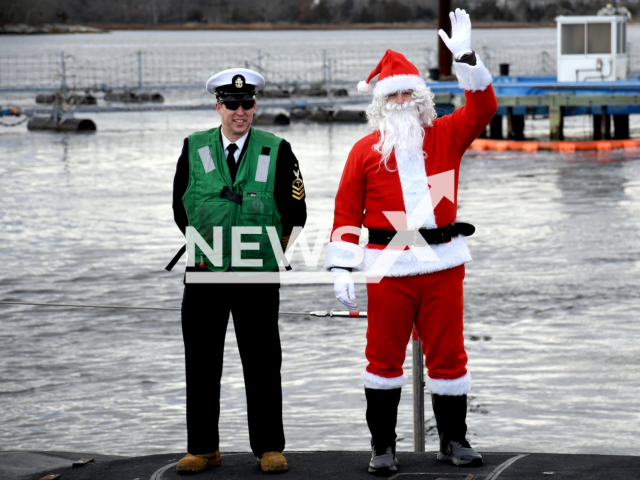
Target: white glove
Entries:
(343, 287)
(460, 41)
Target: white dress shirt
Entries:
(239, 143)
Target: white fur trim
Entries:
(452, 254)
(473, 78)
(415, 186)
(337, 254)
(397, 83)
(364, 87)
(457, 386)
(377, 382)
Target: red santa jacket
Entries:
(367, 189)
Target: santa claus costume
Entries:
(393, 183)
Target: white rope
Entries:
(319, 313)
(121, 307)
(14, 124)
(88, 306)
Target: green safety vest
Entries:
(255, 180)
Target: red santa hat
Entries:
(395, 74)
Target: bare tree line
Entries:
(169, 12)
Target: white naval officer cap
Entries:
(235, 82)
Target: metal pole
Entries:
(555, 123)
(445, 57)
(63, 86)
(418, 394)
(140, 75)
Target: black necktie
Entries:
(231, 160)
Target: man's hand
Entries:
(343, 287)
(460, 41)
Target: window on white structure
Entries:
(599, 38)
(572, 38)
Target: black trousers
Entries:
(205, 313)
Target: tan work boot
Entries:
(272, 462)
(197, 463)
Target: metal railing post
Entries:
(486, 57)
(63, 65)
(418, 394)
(325, 73)
(140, 69)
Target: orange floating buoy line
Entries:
(481, 144)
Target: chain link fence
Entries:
(180, 70)
(176, 69)
(543, 63)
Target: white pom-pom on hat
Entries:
(364, 87)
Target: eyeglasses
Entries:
(235, 104)
(404, 93)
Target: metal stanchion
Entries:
(140, 69)
(418, 394)
(63, 71)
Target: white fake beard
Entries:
(401, 129)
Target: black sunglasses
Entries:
(234, 104)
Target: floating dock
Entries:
(609, 103)
(322, 465)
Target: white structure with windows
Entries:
(592, 48)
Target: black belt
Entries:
(432, 236)
(231, 195)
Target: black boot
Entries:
(382, 415)
(451, 413)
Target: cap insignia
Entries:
(238, 81)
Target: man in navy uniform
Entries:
(235, 176)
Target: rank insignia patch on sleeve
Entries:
(298, 186)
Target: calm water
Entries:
(551, 296)
(511, 40)
(268, 41)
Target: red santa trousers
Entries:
(432, 302)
